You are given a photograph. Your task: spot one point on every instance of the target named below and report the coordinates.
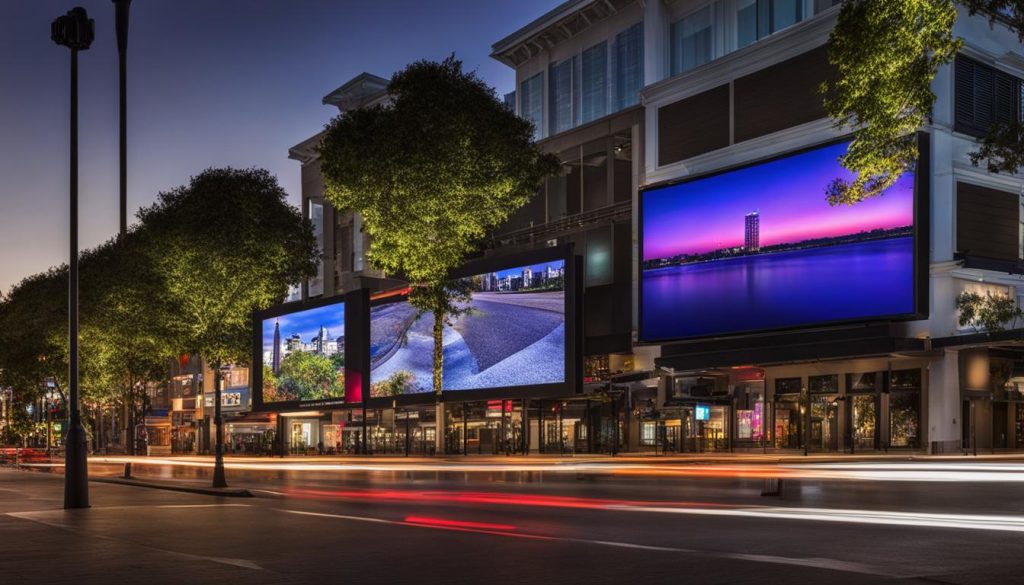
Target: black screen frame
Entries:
(922, 230)
(573, 357)
(256, 369)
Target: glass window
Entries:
(561, 92)
(787, 423)
(629, 66)
(905, 380)
(904, 418)
(861, 382)
(785, 13)
(823, 384)
(531, 102)
(691, 40)
(622, 150)
(746, 22)
(863, 416)
(824, 427)
(556, 187)
(787, 386)
(316, 216)
(756, 19)
(647, 433)
(595, 175)
(594, 95)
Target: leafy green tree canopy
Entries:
(886, 56)
(433, 170)
(226, 244)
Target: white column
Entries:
(943, 414)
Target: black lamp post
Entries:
(121, 24)
(219, 481)
(75, 30)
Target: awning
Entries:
(781, 348)
(1007, 337)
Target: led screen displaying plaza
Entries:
(513, 334)
(759, 248)
(303, 355)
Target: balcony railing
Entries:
(563, 225)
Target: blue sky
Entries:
(211, 83)
(307, 324)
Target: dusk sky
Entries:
(789, 194)
(307, 324)
(211, 83)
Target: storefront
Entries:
(854, 405)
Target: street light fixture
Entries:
(75, 30)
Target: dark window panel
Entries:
(694, 125)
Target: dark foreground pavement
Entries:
(500, 528)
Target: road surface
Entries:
(401, 524)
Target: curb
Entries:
(225, 492)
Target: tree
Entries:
(432, 171)
(989, 312)
(127, 324)
(886, 55)
(310, 376)
(226, 244)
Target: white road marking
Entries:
(813, 562)
(918, 519)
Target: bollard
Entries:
(128, 470)
(772, 487)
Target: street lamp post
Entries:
(75, 30)
(219, 481)
(121, 24)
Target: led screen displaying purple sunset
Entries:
(760, 248)
(513, 335)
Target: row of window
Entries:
(607, 77)
(601, 80)
(726, 25)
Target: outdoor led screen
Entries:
(303, 354)
(759, 248)
(514, 335)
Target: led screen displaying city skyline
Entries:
(760, 248)
(513, 335)
(304, 355)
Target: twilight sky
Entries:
(210, 83)
(708, 214)
(307, 324)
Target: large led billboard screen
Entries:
(513, 334)
(759, 248)
(302, 354)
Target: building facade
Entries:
(636, 95)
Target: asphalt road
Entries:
(409, 526)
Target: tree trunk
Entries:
(438, 350)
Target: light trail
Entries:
(926, 472)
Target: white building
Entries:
(730, 82)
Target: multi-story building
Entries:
(636, 96)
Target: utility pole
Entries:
(75, 30)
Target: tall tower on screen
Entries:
(752, 232)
